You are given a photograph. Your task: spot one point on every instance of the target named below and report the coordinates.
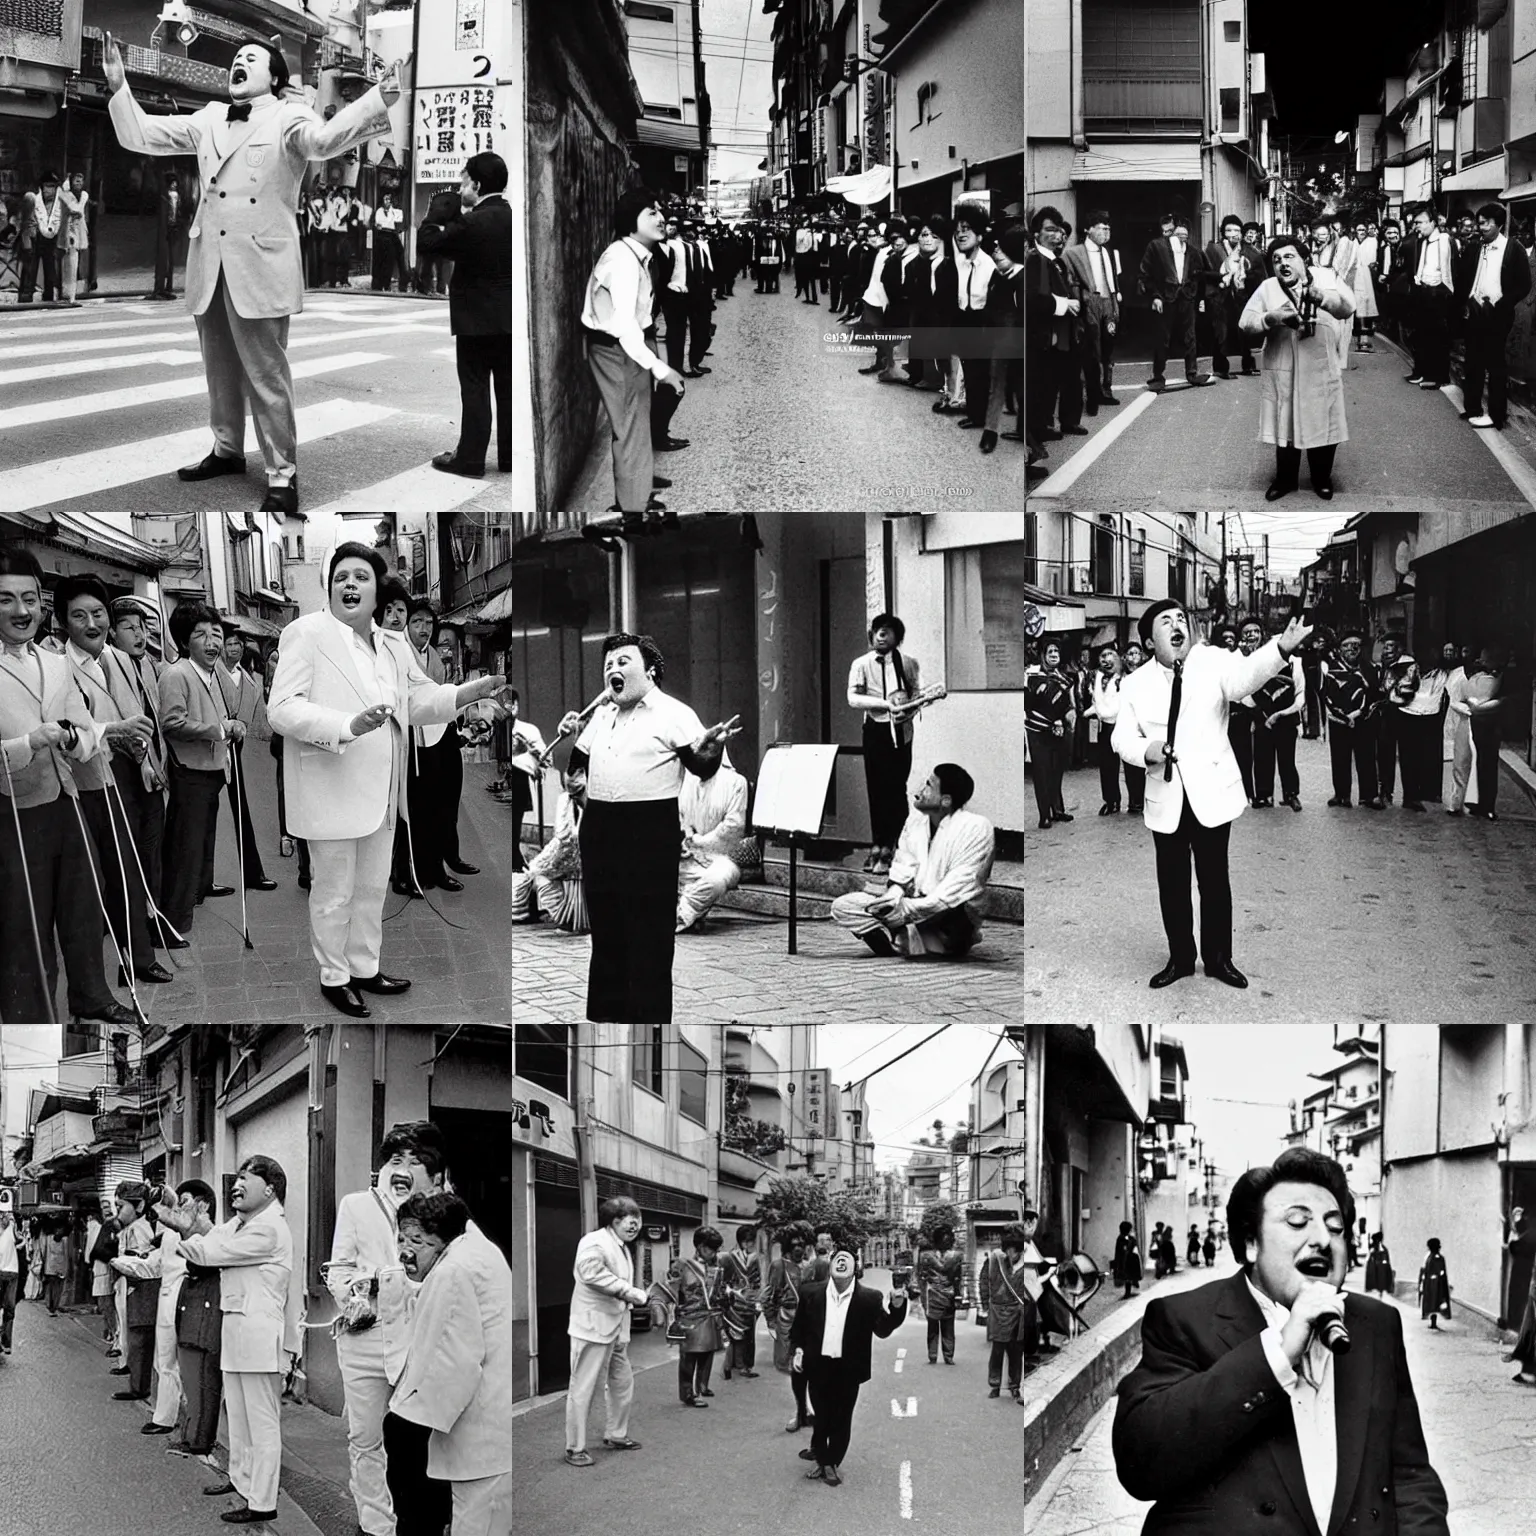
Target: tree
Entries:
(851, 1217)
(940, 1214)
(743, 1131)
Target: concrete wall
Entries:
(1110, 1171)
(1050, 67)
(1410, 1090)
(1457, 1199)
(1471, 1079)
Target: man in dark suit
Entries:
(701, 301)
(1052, 329)
(1095, 269)
(1232, 272)
(1249, 1413)
(669, 283)
(830, 1336)
(1491, 283)
(1171, 277)
(479, 242)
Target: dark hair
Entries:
(746, 1234)
(513, 694)
(16, 561)
(1279, 243)
(422, 605)
(955, 782)
(47, 178)
(627, 211)
(391, 590)
(708, 1237)
(1253, 224)
(1433, 1244)
(650, 653)
(250, 656)
(187, 617)
(1231, 218)
(939, 1234)
(72, 587)
(269, 1170)
(1428, 209)
(1296, 1165)
(1494, 211)
(419, 1137)
(614, 1207)
(278, 63)
(897, 227)
(1320, 221)
(200, 1191)
(489, 170)
(975, 217)
(1387, 224)
(937, 223)
(888, 621)
(968, 212)
(1011, 242)
(352, 550)
(795, 1232)
(1125, 1228)
(135, 1191)
(1096, 216)
(441, 1214)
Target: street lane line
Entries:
(899, 1365)
(304, 338)
(422, 489)
(906, 1490)
(1060, 481)
(158, 315)
(909, 1413)
(445, 351)
(1509, 459)
(105, 469)
(40, 411)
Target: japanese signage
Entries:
(470, 32)
(813, 1105)
(451, 125)
(540, 1119)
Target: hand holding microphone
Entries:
(1318, 1308)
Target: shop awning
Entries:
(871, 186)
(1048, 613)
(498, 610)
(1138, 162)
(1486, 176)
(683, 137)
(250, 624)
(93, 535)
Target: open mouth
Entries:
(616, 682)
(1317, 1268)
(350, 599)
(1176, 637)
(401, 1185)
(238, 76)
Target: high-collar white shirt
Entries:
(8, 1256)
(1312, 1406)
(1434, 262)
(1490, 261)
(632, 753)
(1177, 246)
(837, 1317)
(87, 663)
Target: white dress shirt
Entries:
(713, 813)
(1177, 246)
(678, 282)
(1047, 254)
(1427, 700)
(1489, 262)
(873, 677)
(1098, 264)
(973, 275)
(945, 868)
(388, 219)
(8, 1254)
(632, 753)
(837, 1318)
(1311, 1395)
(875, 293)
(619, 300)
(375, 675)
(1434, 264)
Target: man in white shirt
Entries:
(932, 904)
(10, 1276)
(1272, 1390)
(973, 279)
(615, 315)
(1501, 279)
(388, 253)
(714, 821)
(1431, 302)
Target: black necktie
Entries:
(238, 113)
(1173, 718)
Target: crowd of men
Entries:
(1427, 279)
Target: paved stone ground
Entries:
(786, 423)
(1480, 1428)
(738, 968)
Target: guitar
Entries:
(902, 705)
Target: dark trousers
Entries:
(191, 832)
(1044, 386)
(1135, 787)
(388, 261)
(674, 306)
(836, 1396)
(664, 402)
(1096, 350)
(1487, 331)
(201, 1384)
(117, 873)
(282, 821)
(421, 836)
(1240, 734)
(169, 244)
(1353, 743)
(741, 1354)
(977, 372)
(1387, 754)
(1319, 465)
(9, 1284)
(1047, 763)
(1209, 847)
(1419, 747)
(941, 1328)
(59, 866)
(140, 1357)
(1224, 313)
(44, 253)
(53, 1286)
(485, 362)
(797, 1385)
(1109, 767)
(448, 772)
(1272, 744)
(700, 326)
(145, 810)
(1429, 315)
(1485, 737)
(423, 1505)
(1312, 710)
(240, 809)
(629, 859)
(693, 1371)
(1174, 336)
(887, 767)
(1013, 1351)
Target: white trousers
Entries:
(700, 884)
(167, 1374)
(851, 911)
(69, 264)
(120, 1293)
(361, 1357)
(348, 878)
(561, 900)
(482, 1506)
(251, 1400)
(591, 1364)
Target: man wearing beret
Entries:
(1173, 721)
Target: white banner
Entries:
(451, 125)
(871, 186)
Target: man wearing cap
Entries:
(1173, 721)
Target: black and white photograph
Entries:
(1280, 752)
(695, 176)
(259, 1273)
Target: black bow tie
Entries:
(238, 113)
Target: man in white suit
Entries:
(599, 1328)
(1173, 722)
(166, 1264)
(254, 1256)
(340, 678)
(244, 269)
(458, 1373)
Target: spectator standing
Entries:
(1009, 1313)
(938, 1281)
(1434, 1286)
(388, 252)
(12, 1265)
(1126, 1268)
(77, 233)
(43, 213)
(170, 235)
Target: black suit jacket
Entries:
(1159, 278)
(1045, 282)
(867, 1319)
(1514, 278)
(479, 242)
(1204, 1428)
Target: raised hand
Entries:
(719, 733)
(112, 64)
(1294, 634)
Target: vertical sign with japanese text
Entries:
(451, 125)
(813, 1106)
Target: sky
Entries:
(738, 58)
(31, 1052)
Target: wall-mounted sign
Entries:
(541, 1120)
(452, 123)
(813, 1104)
(470, 29)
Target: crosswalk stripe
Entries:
(101, 343)
(422, 489)
(445, 351)
(158, 314)
(105, 469)
(143, 394)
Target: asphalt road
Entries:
(100, 405)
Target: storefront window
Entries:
(984, 617)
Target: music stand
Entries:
(790, 803)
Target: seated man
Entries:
(552, 882)
(714, 820)
(937, 878)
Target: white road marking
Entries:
(906, 1490)
(910, 1411)
(899, 1365)
(105, 469)
(1060, 481)
(445, 351)
(901, 1354)
(157, 314)
(422, 325)
(422, 489)
(1510, 461)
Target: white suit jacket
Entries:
(366, 1240)
(458, 1377)
(599, 1303)
(247, 221)
(256, 1291)
(168, 1265)
(337, 788)
(1206, 767)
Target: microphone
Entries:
(1335, 1335)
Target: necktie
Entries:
(238, 113)
(1423, 259)
(1173, 718)
(1101, 271)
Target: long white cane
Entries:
(101, 901)
(153, 905)
(26, 875)
(245, 926)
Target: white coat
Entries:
(1301, 393)
(256, 1291)
(365, 1244)
(246, 223)
(336, 788)
(1205, 766)
(458, 1375)
(604, 1276)
(167, 1264)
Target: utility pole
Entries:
(581, 1126)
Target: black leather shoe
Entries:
(400, 888)
(280, 498)
(832, 1479)
(1342, 804)
(660, 483)
(347, 1000)
(171, 942)
(264, 884)
(248, 1516)
(1225, 971)
(669, 444)
(1374, 805)
(112, 1013)
(450, 464)
(303, 882)
(459, 867)
(118, 1370)
(1171, 973)
(158, 1429)
(219, 890)
(988, 441)
(1060, 816)
(1069, 431)
(130, 1397)
(446, 882)
(214, 464)
(1277, 490)
(1324, 491)
(154, 971)
(218, 1489)
(386, 986)
(807, 1454)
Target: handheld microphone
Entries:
(1335, 1335)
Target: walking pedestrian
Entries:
(170, 235)
(781, 1302)
(1168, 1256)
(1125, 1269)
(34, 1262)
(743, 1274)
(1192, 1249)
(1049, 718)
(1009, 1312)
(1378, 1267)
(697, 1284)
(938, 1282)
(1434, 1286)
(1208, 1247)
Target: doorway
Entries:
(1517, 1280)
(556, 1232)
(483, 1183)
